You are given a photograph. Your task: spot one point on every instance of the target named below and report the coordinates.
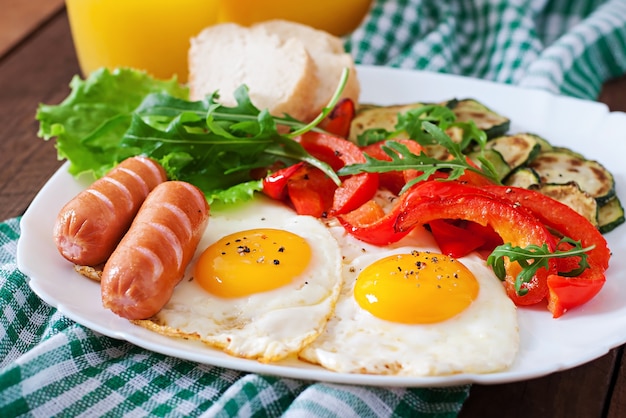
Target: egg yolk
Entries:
(416, 288)
(252, 261)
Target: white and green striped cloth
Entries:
(564, 46)
(51, 366)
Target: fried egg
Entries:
(407, 310)
(263, 283)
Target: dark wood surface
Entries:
(38, 68)
(19, 18)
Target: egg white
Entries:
(483, 338)
(317, 318)
(267, 326)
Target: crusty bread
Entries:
(329, 56)
(288, 68)
(279, 74)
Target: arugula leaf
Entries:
(403, 159)
(426, 125)
(412, 122)
(372, 136)
(221, 144)
(534, 257)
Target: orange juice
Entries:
(151, 35)
(338, 17)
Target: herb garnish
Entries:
(427, 126)
(532, 258)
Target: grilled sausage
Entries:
(89, 226)
(140, 276)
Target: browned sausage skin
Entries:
(140, 276)
(89, 226)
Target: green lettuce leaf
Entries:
(90, 123)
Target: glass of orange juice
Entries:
(339, 17)
(151, 35)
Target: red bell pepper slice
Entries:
(355, 190)
(452, 239)
(559, 217)
(468, 177)
(370, 224)
(394, 181)
(565, 292)
(570, 292)
(275, 184)
(457, 239)
(310, 191)
(491, 238)
(473, 178)
(433, 200)
(339, 119)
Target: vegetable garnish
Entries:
(533, 257)
(89, 123)
(427, 126)
(413, 123)
(113, 115)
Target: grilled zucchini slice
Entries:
(562, 167)
(385, 119)
(610, 215)
(568, 151)
(517, 150)
(378, 117)
(524, 177)
(495, 158)
(543, 143)
(493, 123)
(571, 195)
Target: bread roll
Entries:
(288, 68)
(328, 54)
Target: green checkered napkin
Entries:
(567, 47)
(50, 366)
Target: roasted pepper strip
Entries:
(394, 181)
(275, 184)
(340, 118)
(569, 292)
(451, 200)
(457, 239)
(561, 218)
(356, 189)
(370, 224)
(310, 191)
(565, 292)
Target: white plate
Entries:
(547, 345)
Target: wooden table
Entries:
(36, 66)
